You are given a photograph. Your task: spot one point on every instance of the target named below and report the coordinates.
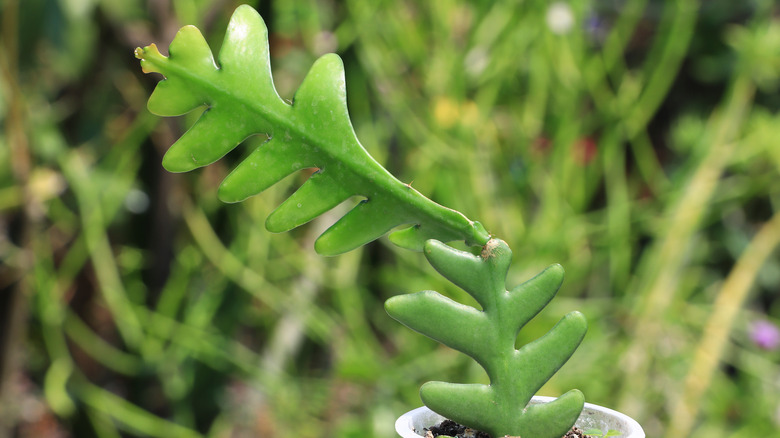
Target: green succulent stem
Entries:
(315, 132)
(489, 336)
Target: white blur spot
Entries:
(136, 201)
(476, 61)
(560, 18)
(239, 30)
(75, 9)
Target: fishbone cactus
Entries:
(489, 337)
(315, 132)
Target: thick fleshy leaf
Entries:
(471, 404)
(489, 336)
(270, 163)
(480, 276)
(314, 132)
(317, 195)
(543, 357)
(174, 98)
(368, 221)
(215, 134)
(533, 294)
(453, 324)
(475, 405)
(553, 419)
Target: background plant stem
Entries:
(713, 343)
(662, 266)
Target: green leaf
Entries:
(317, 195)
(545, 356)
(489, 337)
(535, 293)
(480, 276)
(553, 419)
(469, 404)
(314, 131)
(453, 324)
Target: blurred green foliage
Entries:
(634, 142)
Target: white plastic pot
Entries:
(413, 423)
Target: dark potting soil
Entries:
(453, 429)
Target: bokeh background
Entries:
(636, 142)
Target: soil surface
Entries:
(453, 429)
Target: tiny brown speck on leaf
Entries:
(489, 250)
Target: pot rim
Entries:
(404, 425)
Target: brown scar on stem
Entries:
(489, 249)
